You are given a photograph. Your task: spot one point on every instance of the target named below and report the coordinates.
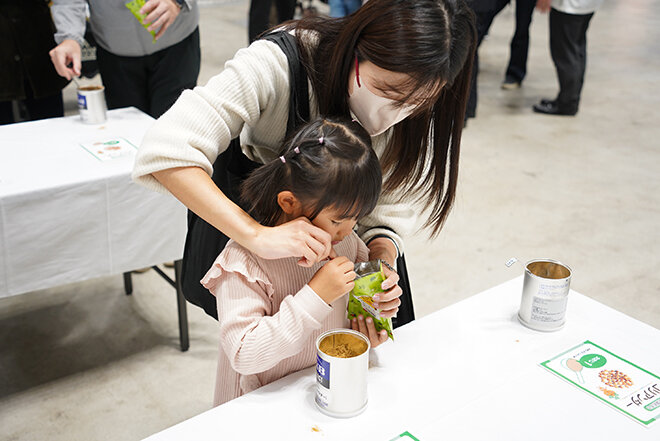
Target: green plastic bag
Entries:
(135, 6)
(368, 282)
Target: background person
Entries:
(569, 21)
(27, 75)
(259, 15)
(341, 8)
(485, 11)
(135, 70)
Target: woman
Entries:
(401, 68)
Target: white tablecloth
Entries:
(469, 371)
(66, 216)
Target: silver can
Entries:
(342, 362)
(545, 295)
(91, 104)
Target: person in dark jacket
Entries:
(27, 76)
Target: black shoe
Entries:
(551, 108)
(546, 102)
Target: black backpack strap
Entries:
(298, 88)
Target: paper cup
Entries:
(91, 104)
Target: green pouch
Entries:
(368, 282)
(135, 6)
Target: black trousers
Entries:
(151, 83)
(259, 15)
(568, 48)
(517, 67)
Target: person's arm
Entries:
(195, 189)
(184, 143)
(70, 21)
(379, 230)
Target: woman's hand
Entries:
(368, 328)
(388, 302)
(334, 279)
(295, 238)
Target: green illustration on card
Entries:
(593, 361)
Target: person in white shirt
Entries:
(569, 21)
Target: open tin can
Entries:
(545, 295)
(342, 362)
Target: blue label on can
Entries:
(82, 101)
(322, 372)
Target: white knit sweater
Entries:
(249, 97)
(269, 317)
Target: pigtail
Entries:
(259, 192)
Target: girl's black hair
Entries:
(327, 163)
(433, 42)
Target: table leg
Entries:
(181, 304)
(128, 283)
(180, 301)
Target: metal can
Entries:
(91, 104)
(342, 362)
(545, 295)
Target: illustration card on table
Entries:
(612, 379)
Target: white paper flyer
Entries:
(109, 149)
(612, 379)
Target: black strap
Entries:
(298, 88)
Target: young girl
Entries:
(271, 311)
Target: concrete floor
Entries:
(85, 362)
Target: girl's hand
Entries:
(388, 302)
(295, 238)
(334, 279)
(368, 328)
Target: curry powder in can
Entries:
(342, 362)
(545, 295)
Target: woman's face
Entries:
(380, 82)
(376, 95)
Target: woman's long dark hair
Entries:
(327, 163)
(433, 42)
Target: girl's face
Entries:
(331, 221)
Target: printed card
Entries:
(109, 149)
(612, 379)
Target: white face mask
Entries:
(375, 113)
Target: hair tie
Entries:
(282, 159)
(321, 140)
(297, 150)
